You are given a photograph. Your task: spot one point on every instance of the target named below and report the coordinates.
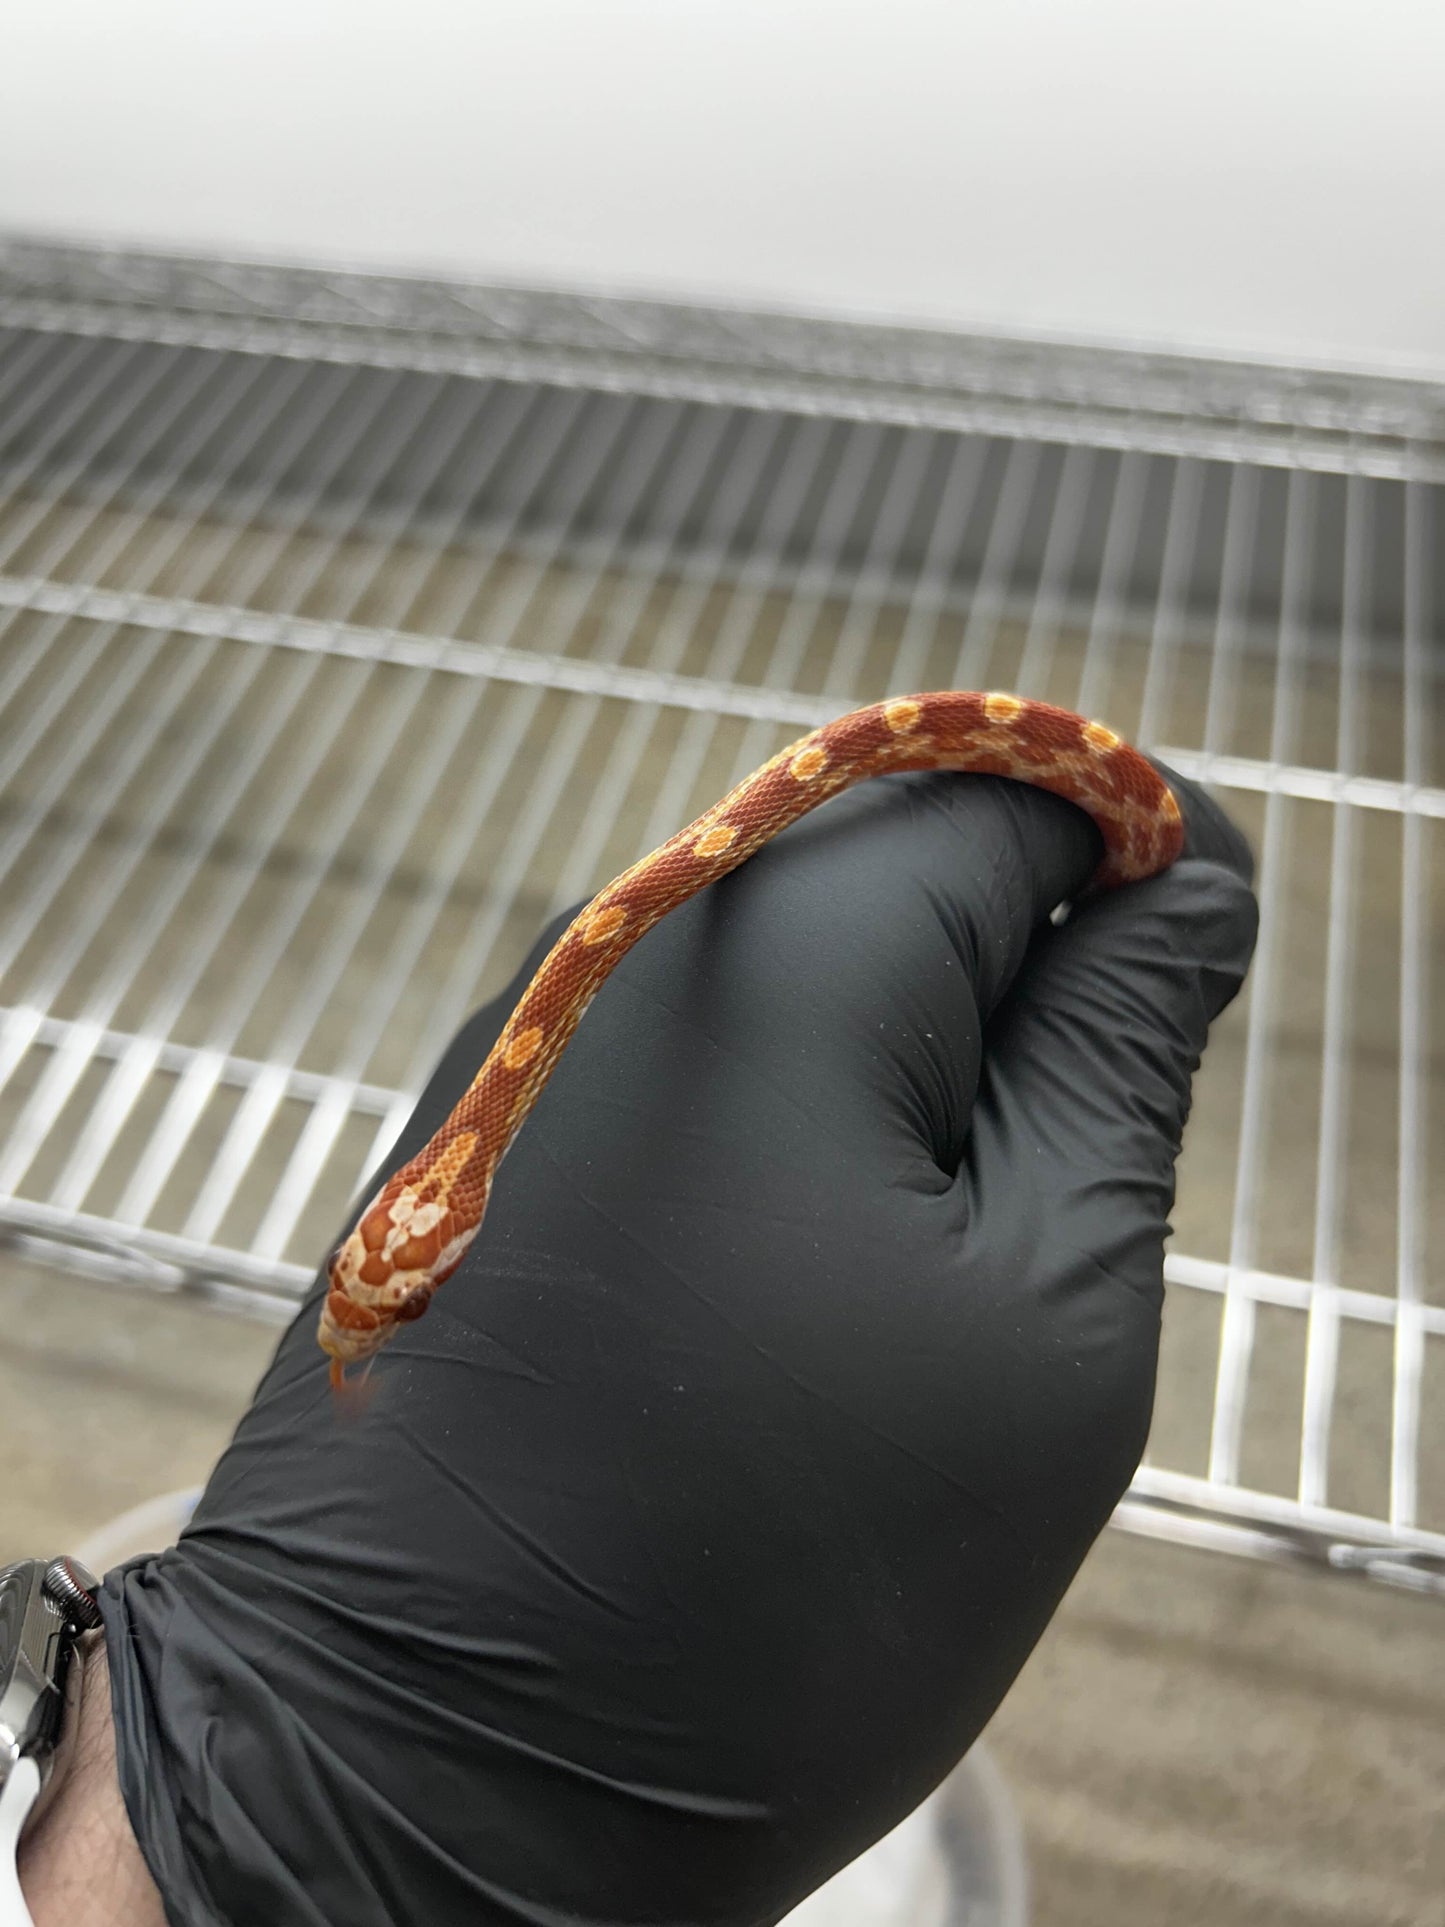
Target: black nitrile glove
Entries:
(704, 1520)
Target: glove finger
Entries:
(1055, 1225)
(1088, 1069)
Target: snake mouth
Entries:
(353, 1337)
(356, 1334)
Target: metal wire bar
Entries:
(1237, 1326)
(1293, 1294)
(1409, 1357)
(957, 501)
(996, 570)
(179, 391)
(1238, 1322)
(1121, 540)
(160, 1260)
(1342, 1541)
(1322, 1342)
(18, 368)
(862, 604)
(102, 374)
(875, 581)
(1166, 635)
(1046, 613)
(1268, 778)
(236, 1071)
(1236, 564)
(368, 644)
(849, 482)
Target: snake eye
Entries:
(413, 1305)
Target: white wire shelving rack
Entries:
(349, 627)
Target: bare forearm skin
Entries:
(80, 1865)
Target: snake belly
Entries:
(417, 1229)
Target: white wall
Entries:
(1255, 176)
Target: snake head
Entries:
(366, 1294)
(350, 1333)
(385, 1272)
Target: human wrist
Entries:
(80, 1864)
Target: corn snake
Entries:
(416, 1231)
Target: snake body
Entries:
(416, 1231)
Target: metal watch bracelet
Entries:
(46, 1606)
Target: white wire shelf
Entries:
(240, 581)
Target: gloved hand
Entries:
(702, 1523)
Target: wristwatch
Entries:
(45, 1607)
